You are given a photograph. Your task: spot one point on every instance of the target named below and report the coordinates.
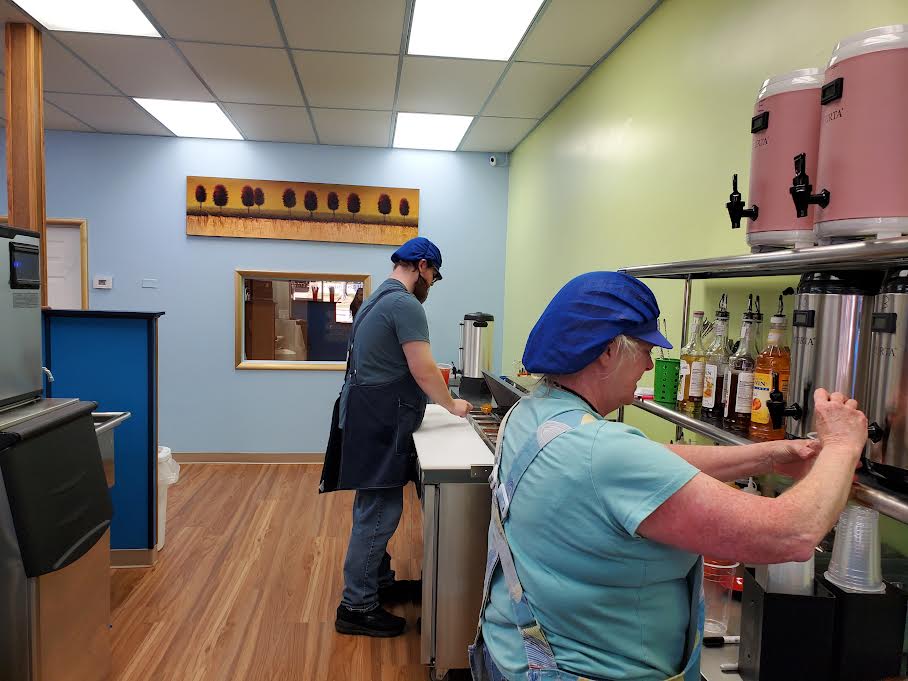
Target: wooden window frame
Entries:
(240, 276)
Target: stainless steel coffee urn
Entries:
(830, 341)
(477, 329)
(887, 392)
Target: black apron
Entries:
(374, 449)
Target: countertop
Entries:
(449, 450)
(711, 658)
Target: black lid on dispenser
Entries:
(896, 281)
(478, 317)
(846, 282)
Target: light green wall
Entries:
(635, 165)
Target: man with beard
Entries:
(390, 373)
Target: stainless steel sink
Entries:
(105, 422)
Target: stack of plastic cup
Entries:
(665, 384)
(856, 564)
(791, 578)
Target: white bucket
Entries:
(168, 474)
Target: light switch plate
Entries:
(149, 283)
(103, 281)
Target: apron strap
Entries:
(363, 313)
(537, 649)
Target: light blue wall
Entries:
(132, 191)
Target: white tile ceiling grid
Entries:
(323, 71)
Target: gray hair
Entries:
(625, 345)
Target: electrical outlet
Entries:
(103, 281)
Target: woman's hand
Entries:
(793, 458)
(841, 427)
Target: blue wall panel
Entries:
(106, 361)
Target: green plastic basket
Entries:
(665, 383)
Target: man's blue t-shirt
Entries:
(612, 604)
(396, 319)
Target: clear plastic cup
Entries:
(791, 578)
(718, 583)
(445, 370)
(855, 563)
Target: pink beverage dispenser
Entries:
(786, 122)
(863, 163)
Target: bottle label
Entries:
(762, 389)
(709, 386)
(683, 373)
(775, 337)
(696, 379)
(745, 393)
(726, 389)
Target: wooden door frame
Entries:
(82, 226)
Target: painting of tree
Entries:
(384, 205)
(259, 198)
(310, 201)
(353, 204)
(201, 195)
(289, 199)
(404, 207)
(219, 196)
(333, 203)
(247, 196)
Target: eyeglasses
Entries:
(436, 275)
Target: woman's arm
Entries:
(730, 463)
(706, 516)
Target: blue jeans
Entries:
(376, 515)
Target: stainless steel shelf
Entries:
(714, 433)
(865, 490)
(853, 255)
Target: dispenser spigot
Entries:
(875, 432)
(801, 189)
(777, 407)
(735, 206)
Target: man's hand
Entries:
(461, 408)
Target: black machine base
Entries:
(785, 637)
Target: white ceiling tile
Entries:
(447, 86)
(353, 128)
(238, 22)
(272, 123)
(110, 114)
(580, 31)
(343, 25)
(249, 75)
(529, 90)
(55, 119)
(140, 67)
(497, 134)
(65, 73)
(351, 81)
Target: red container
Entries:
(786, 123)
(864, 137)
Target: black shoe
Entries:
(378, 622)
(401, 591)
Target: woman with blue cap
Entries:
(594, 567)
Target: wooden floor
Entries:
(247, 585)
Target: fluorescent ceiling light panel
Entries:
(191, 119)
(470, 29)
(430, 131)
(118, 17)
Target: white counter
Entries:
(449, 450)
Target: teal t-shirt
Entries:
(612, 604)
(396, 319)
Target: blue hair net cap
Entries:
(419, 248)
(585, 316)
